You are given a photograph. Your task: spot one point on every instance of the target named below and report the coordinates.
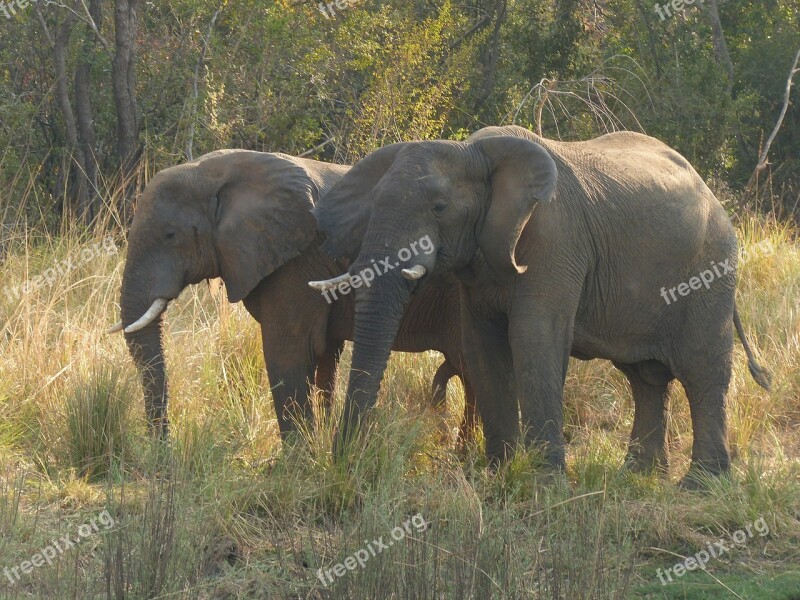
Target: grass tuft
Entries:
(97, 422)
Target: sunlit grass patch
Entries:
(225, 508)
(98, 423)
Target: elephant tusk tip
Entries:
(115, 329)
(414, 273)
(152, 313)
(328, 283)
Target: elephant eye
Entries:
(170, 235)
(439, 207)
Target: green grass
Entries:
(701, 586)
(224, 511)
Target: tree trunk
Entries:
(195, 93)
(652, 39)
(720, 45)
(490, 57)
(87, 207)
(124, 86)
(76, 186)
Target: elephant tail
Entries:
(759, 373)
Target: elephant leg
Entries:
(439, 398)
(541, 341)
(439, 386)
(650, 382)
(326, 373)
(469, 421)
(489, 368)
(710, 453)
(291, 397)
(705, 379)
(291, 371)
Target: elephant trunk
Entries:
(378, 313)
(145, 347)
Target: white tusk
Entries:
(415, 272)
(328, 283)
(115, 328)
(158, 306)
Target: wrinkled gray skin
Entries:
(245, 217)
(562, 249)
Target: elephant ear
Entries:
(343, 213)
(262, 207)
(521, 173)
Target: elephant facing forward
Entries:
(560, 248)
(245, 217)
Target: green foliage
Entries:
(281, 76)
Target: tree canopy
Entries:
(97, 94)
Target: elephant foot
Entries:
(292, 439)
(700, 478)
(550, 466)
(554, 464)
(552, 478)
(694, 482)
(548, 454)
(498, 456)
(646, 464)
(345, 442)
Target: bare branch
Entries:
(75, 13)
(93, 25)
(762, 160)
(594, 92)
(316, 148)
(49, 37)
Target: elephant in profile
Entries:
(561, 248)
(245, 217)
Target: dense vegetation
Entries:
(96, 96)
(284, 76)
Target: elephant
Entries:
(245, 216)
(560, 248)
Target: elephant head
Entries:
(464, 199)
(234, 214)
